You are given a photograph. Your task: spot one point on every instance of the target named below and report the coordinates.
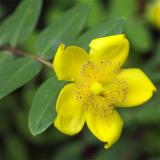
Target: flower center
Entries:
(96, 88)
(100, 91)
(99, 72)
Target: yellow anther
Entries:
(97, 88)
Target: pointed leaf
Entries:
(107, 28)
(15, 74)
(42, 112)
(63, 30)
(139, 29)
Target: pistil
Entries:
(96, 88)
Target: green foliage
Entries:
(139, 36)
(108, 28)
(64, 30)
(5, 58)
(144, 114)
(72, 151)
(16, 72)
(42, 112)
(125, 8)
(14, 75)
(88, 19)
(96, 11)
(17, 27)
(123, 150)
(16, 149)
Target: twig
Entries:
(19, 52)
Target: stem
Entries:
(19, 52)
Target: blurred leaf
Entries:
(148, 112)
(96, 11)
(89, 138)
(156, 58)
(42, 112)
(20, 118)
(17, 27)
(53, 12)
(29, 43)
(63, 30)
(16, 74)
(123, 8)
(152, 72)
(5, 58)
(4, 123)
(71, 151)
(6, 106)
(28, 94)
(108, 28)
(157, 52)
(151, 139)
(16, 149)
(21, 122)
(120, 150)
(139, 36)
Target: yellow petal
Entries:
(70, 119)
(68, 61)
(112, 48)
(106, 128)
(139, 88)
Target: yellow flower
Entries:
(153, 13)
(97, 87)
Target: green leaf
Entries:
(108, 28)
(5, 58)
(17, 27)
(139, 35)
(97, 12)
(15, 74)
(156, 57)
(63, 30)
(123, 8)
(42, 112)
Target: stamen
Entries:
(100, 91)
(88, 71)
(97, 104)
(104, 71)
(117, 91)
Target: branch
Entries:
(19, 52)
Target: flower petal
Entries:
(68, 61)
(112, 48)
(139, 87)
(70, 119)
(105, 128)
